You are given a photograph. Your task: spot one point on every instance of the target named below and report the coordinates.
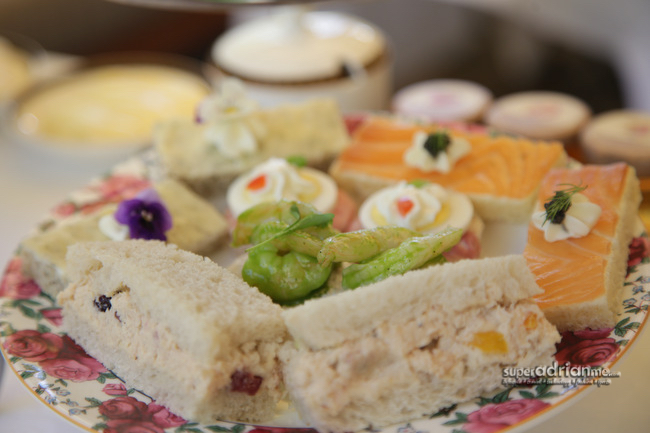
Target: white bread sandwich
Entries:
(412, 344)
(500, 174)
(579, 255)
(191, 151)
(197, 226)
(176, 326)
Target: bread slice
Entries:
(177, 326)
(501, 174)
(583, 278)
(412, 344)
(197, 227)
(313, 129)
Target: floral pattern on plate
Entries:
(83, 391)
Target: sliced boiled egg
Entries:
(427, 209)
(277, 179)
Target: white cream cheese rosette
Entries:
(225, 115)
(421, 155)
(427, 209)
(277, 179)
(579, 219)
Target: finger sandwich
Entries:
(176, 326)
(197, 227)
(412, 344)
(313, 129)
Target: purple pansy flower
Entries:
(145, 215)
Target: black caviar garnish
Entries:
(436, 143)
(559, 215)
(557, 206)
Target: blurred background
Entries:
(593, 49)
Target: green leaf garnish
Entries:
(297, 160)
(557, 206)
(312, 220)
(437, 142)
(419, 183)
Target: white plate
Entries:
(83, 392)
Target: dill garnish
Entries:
(437, 142)
(557, 206)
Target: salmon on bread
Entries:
(500, 174)
(583, 277)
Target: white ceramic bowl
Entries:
(296, 55)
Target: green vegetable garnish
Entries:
(313, 220)
(436, 143)
(297, 161)
(419, 183)
(557, 206)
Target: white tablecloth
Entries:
(29, 187)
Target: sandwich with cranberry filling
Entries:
(176, 326)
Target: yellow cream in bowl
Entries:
(116, 105)
(14, 70)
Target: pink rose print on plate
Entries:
(497, 416)
(81, 369)
(52, 315)
(34, 346)
(123, 408)
(72, 363)
(162, 417)
(15, 285)
(115, 389)
(130, 426)
(130, 415)
(589, 348)
(122, 186)
(282, 430)
(58, 356)
(115, 189)
(64, 209)
(639, 248)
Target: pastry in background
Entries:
(578, 243)
(176, 326)
(618, 136)
(172, 212)
(500, 174)
(540, 115)
(231, 135)
(443, 101)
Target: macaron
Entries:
(618, 135)
(442, 100)
(539, 115)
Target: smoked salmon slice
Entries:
(582, 278)
(500, 174)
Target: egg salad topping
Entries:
(226, 115)
(569, 214)
(438, 151)
(428, 208)
(277, 179)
